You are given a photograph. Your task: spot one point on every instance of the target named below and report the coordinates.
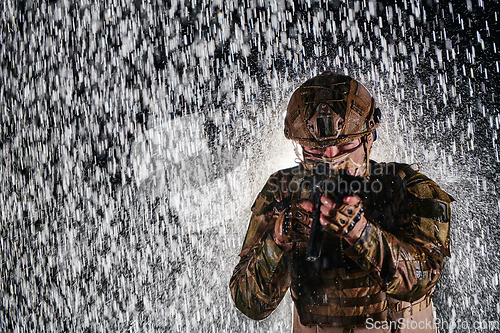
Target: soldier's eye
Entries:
(314, 152)
(349, 145)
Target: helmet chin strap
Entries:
(366, 161)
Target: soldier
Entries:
(382, 249)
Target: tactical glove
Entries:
(292, 225)
(344, 218)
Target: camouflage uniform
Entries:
(397, 259)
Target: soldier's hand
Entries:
(286, 232)
(344, 219)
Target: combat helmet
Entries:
(330, 109)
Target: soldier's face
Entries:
(350, 156)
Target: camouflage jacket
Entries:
(401, 251)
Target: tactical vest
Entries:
(338, 297)
(334, 291)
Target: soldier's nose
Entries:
(331, 151)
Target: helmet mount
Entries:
(330, 110)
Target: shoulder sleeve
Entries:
(407, 261)
(264, 207)
(261, 278)
(430, 206)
